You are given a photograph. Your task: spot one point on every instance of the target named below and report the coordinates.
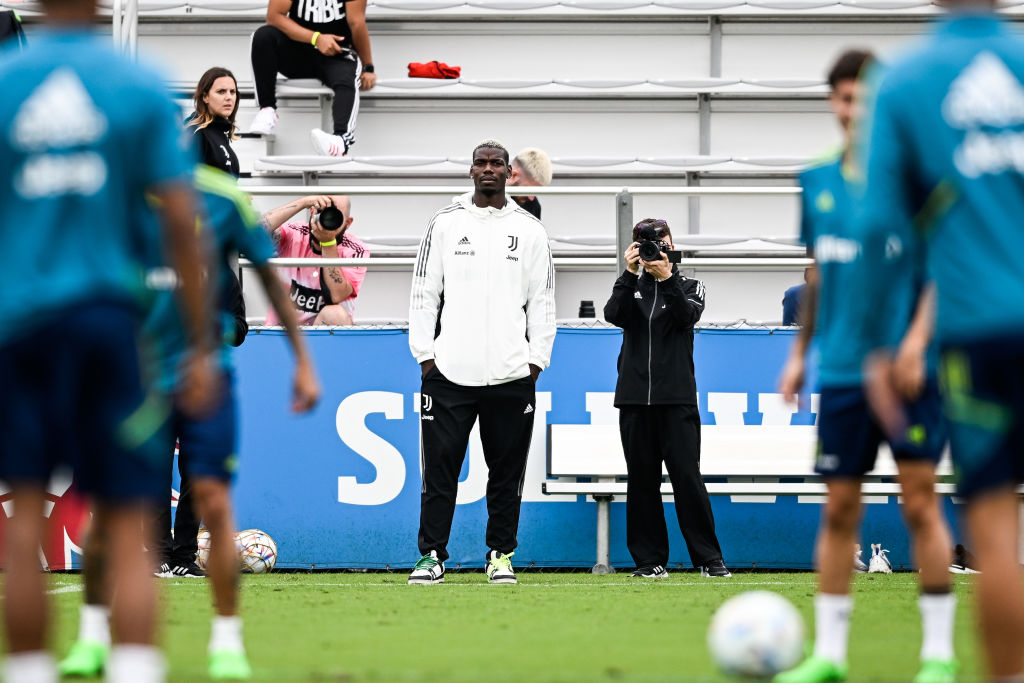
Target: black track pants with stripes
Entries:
(447, 414)
(670, 434)
(273, 52)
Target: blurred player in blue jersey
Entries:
(849, 437)
(944, 157)
(208, 443)
(74, 160)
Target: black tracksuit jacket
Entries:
(657, 318)
(214, 145)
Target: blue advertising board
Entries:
(340, 488)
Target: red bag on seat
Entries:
(433, 69)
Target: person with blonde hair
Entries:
(530, 168)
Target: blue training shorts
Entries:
(71, 393)
(208, 445)
(849, 436)
(983, 385)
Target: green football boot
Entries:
(229, 665)
(937, 671)
(87, 658)
(814, 669)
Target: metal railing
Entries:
(624, 220)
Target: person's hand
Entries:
(660, 269)
(426, 366)
(908, 370)
(305, 387)
(329, 44)
(200, 388)
(792, 379)
(534, 372)
(632, 255)
(367, 81)
(321, 235)
(316, 201)
(885, 402)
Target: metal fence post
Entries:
(623, 225)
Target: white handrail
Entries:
(560, 262)
(582, 190)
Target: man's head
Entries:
(531, 167)
(343, 204)
(845, 87)
(490, 168)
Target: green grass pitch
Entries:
(550, 627)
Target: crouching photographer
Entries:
(656, 395)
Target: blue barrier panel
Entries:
(340, 487)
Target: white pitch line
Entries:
(64, 589)
(723, 582)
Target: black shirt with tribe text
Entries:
(326, 16)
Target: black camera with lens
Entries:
(331, 218)
(650, 238)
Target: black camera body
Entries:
(331, 218)
(652, 246)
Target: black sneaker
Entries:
(655, 572)
(163, 571)
(963, 562)
(715, 569)
(187, 571)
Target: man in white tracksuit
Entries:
(481, 326)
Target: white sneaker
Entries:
(328, 145)
(264, 122)
(499, 568)
(879, 562)
(428, 570)
(858, 563)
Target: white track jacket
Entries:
(487, 273)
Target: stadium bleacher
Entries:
(666, 93)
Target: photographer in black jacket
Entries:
(656, 395)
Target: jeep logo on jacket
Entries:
(492, 270)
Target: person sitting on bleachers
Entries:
(213, 122)
(531, 167)
(323, 39)
(321, 296)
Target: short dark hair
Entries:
(492, 144)
(659, 224)
(849, 66)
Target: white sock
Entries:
(94, 624)
(226, 634)
(937, 616)
(136, 664)
(30, 667)
(832, 626)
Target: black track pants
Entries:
(652, 435)
(447, 414)
(181, 549)
(273, 52)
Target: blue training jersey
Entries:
(945, 156)
(233, 227)
(846, 326)
(83, 134)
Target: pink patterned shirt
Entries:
(305, 287)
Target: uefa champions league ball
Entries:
(756, 634)
(257, 550)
